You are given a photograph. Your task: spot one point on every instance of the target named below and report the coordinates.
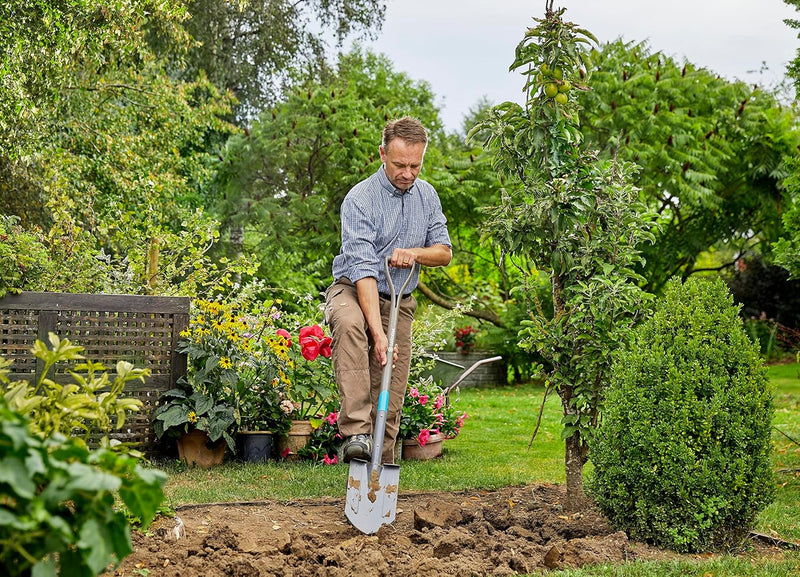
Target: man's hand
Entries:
(381, 345)
(403, 258)
(434, 255)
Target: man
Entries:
(391, 213)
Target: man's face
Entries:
(403, 161)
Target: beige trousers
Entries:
(358, 373)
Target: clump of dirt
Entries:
(514, 530)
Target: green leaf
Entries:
(174, 416)
(14, 473)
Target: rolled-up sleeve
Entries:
(358, 246)
(437, 227)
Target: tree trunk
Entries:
(574, 458)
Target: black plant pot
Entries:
(254, 446)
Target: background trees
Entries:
(249, 47)
(284, 179)
(713, 155)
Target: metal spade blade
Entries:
(371, 495)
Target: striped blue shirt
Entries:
(377, 218)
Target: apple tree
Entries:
(575, 219)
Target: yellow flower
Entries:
(225, 363)
(192, 417)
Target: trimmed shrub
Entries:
(682, 456)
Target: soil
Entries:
(509, 531)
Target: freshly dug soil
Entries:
(514, 530)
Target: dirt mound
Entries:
(504, 532)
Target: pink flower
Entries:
(332, 418)
(285, 334)
(413, 392)
(437, 404)
(328, 461)
(423, 399)
(423, 437)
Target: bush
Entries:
(682, 456)
(59, 515)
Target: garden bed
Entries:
(514, 530)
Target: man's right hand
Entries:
(380, 346)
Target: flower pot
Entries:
(254, 446)
(193, 451)
(297, 437)
(431, 450)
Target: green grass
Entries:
(492, 451)
(727, 566)
(783, 515)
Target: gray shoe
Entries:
(356, 447)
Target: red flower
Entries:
(285, 334)
(332, 418)
(328, 461)
(314, 343)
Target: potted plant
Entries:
(465, 338)
(428, 418)
(229, 366)
(309, 385)
(323, 446)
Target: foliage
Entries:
(234, 375)
(321, 140)
(325, 441)
(427, 411)
(111, 168)
(713, 153)
(249, 46)
(59, 516)
(765, 289)
(47, 45)
(309, 378)
(22, 256)
(793, 70)
(682, 457)
(787, 248)
(465, 338)
(572, 217)
(91, 404)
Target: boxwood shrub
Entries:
(682, 456)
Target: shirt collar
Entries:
(389, 187)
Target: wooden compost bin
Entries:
(143, 330)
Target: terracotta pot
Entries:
(431, 450)
(254, 446)
(193, 451)
(297, 437)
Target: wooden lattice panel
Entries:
(17, 336)
(140, 329)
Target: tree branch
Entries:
(436, 299)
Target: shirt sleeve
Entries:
(437, 225)
(358, 241)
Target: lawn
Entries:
(492, 451)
